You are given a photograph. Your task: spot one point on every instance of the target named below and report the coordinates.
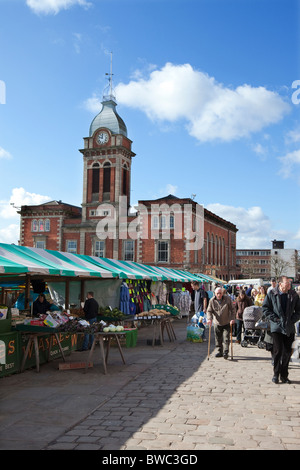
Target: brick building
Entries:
(268, 263)
(158, 232)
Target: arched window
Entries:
(106, 177)
(95, 178)
(35, 226)
(47, 225)
(207, 249)
(41, 226)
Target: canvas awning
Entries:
(121, 268)
(15, 259)
(66, 263)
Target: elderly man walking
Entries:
(281, 306)
(221, 311)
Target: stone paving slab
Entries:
(164, 398)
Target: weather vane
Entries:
(110, 75)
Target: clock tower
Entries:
(107, 157)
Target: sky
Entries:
(209, 91)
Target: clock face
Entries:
(102, 138)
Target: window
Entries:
(47, 225)
(129, 250)
(171, 221)
(106, 178)
(40, 244)
(35, 225)
(124, 181)
(41, 226)
(95, 178)
(163, 252)
(155, 222)
(100, 248)
(72, 246)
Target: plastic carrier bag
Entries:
(295, 357)
(199, 317)
(194, 333)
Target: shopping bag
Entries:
(194, 333)
(295, 357)
(262, 324)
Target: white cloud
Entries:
(4, 154)
(255, 229)
(289, 162)
(10, 234)
(211, 110)
(53, 7)
(293, 136)
(18, 198)
(260, 150)
(93, 104)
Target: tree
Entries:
(279, 267)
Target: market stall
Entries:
(135, 292)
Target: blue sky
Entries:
(209, 91)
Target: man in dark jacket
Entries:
(41, 305)
(282, 308)
(91, 309)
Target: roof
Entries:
(109, 118)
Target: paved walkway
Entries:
(169, 398)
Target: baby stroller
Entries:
(252, 334)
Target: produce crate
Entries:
(115, 319)
(169, 308)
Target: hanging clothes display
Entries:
(162, 293)
(135, 297)
(182, 300)
(155, 285)
(124, 299)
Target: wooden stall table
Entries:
(167, 324)
(100, 337)
(160, 324)
(34, 333)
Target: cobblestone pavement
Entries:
(168, 398)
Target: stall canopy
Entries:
(15, 259)
(58, 263)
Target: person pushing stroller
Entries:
(221, 312)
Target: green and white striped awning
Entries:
(15, 259)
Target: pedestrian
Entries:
(282, 308)
(91, 309)
(199, 298)
(221, 311)
(249, 290)
(273, 285)
(253, 294)
(242, 301)
(260, 296)
(297, 289)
